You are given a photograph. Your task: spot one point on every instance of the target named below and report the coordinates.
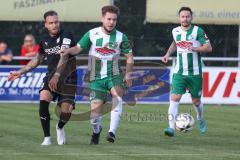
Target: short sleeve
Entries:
(73, 42)
(85, 41)
(68, 40)
(126, 47)
(201, 36)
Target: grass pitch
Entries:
(140, 135)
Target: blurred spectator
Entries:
(5, 53)
(29, 48)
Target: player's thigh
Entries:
(195, 86)
(116, 86)
(45, 93)
(98, 90)
(179, 84)
(66, 98)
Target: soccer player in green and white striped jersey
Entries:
(106, 44)
(189, 41)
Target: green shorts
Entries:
(182, 83)
(100, 88)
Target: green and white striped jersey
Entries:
(189, 63)
(104, 52)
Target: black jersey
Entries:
(50, 46)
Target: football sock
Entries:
(96, 122)
(199, 111)
(64, 118)
(116, 113)
(172, 113)
(45, 117)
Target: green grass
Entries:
(140, 135)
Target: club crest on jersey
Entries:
(111, 45)
(190, 37)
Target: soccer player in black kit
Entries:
(60, 80)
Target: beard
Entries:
(186, 24)
(107, 30)
(55, 31)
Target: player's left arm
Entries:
(126, 49)
(129, 68)
(61, 63)
(205, 42)
(60, 69)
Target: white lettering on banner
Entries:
(29, 80)
(33, 3)
(2, 91)
(220, 86)
(13, 91)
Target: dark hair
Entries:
(111, 9)
(185, 9)
(2, 42)
(49, 13)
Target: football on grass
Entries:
(184, 122)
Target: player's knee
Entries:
(196, 102)
(96, 105)
(45, 95)
(176, 97)
(66, 107)
(117, 104)
(117, 91)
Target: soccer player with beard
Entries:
(106, 44)
(60, 80)
(189, 41)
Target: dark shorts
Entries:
(65, 93)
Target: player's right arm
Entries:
(31, 65)
(83, 43)
(71, 51)
(170, 51)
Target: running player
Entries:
(106, 44)
(50, 44)
(189, 41)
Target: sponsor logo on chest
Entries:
(53, 50)
(184, 44)
(108, 49)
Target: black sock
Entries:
(64, 117)
(45, 117)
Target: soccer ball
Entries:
(184, 122)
